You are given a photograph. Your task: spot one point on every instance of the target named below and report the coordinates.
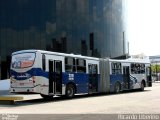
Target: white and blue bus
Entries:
(51, 73)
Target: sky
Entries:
(143, 27)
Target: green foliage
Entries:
(155, 68)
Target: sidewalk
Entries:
(4, 84)
(156, 82)
(4, 87)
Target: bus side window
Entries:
(70, 64)
(43, 62)
(142, 68)
(116, 68)
(81, 65)
(137, 68)
(132, 68)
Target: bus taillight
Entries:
(12, 80)
(33, 78)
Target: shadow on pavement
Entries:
(62, 98)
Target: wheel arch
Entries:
(118, 82)
(144, 82)
(72, 83)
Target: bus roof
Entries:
(55, 53)
(129, 60)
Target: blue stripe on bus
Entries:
(28, 74)
(80, 79)
(120, 78)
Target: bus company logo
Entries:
(71, 77)
(24, 75)
(9, 117)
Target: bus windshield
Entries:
(23, 60)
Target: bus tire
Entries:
(142, 86)
(70, 91)
(117, 87)
(47, 97)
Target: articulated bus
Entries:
(51, 73)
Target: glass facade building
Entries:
(87, 27)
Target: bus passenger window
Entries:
(137, 68)
(81, 65)
(69, 64)
(116, 68)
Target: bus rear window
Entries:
(23, 60)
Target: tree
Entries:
(155, 68)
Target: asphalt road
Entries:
(146, 102)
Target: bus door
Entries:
(93, 78)
(149, 77)
(55, 77)
(126, 77)
(51, 78)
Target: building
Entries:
(155, 59)
(88, 27)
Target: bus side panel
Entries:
(136, 83)
(42, 85)
(42, 81)
(114, 79)
(79, 79)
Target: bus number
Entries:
(71, 77)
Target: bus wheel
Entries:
(117, 87)
(142, 86)
(70, 91)
(47, 97)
